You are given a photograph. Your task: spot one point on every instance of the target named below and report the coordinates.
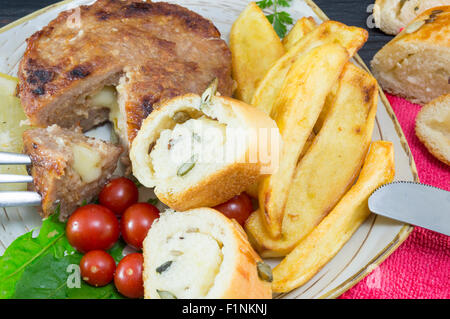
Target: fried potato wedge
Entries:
(253, 190)
(323, 243)
(255, 47)
(302, 27)
(352, 38)
(328, 168)
(297, 108)
(326, 108)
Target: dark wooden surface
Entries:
(351, 12)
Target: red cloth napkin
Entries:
(420, 267)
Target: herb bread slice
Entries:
(201, 253)
(199, 153)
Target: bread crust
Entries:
(214, 190)
(244, 281)
(221, 185)
(393, 15)
(416, 63)
(420, 128)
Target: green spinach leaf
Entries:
(26, 249)
(47, 267)
(59, 278)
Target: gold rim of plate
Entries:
(404, 231)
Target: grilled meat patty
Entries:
(68, 168)
(150, 51)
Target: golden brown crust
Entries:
(214, 190)
(246, 283)
(433, 32)
(391, 16)
(164, 49)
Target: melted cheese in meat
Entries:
(107, 97)
(195, 262)
(86, 162)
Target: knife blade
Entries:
(413, 203)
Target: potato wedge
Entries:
(330, 165)
(255, 47)
(326, 108)
(323, 243)
(296, 109)
(352, 38)
(253, 190)
(302, 27)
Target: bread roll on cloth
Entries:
(433, 127)
(393, 15)
(201, 253)
(416, 63)
(200, 151)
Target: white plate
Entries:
(376, 239)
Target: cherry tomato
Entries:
(128, 276)
(119, 194)
(92, 227)
(97, 268)
(136, 221)
(239, 208)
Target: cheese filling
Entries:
(86, 162)
(189, 149)
(187, 264)
(107, 97)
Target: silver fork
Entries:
(17, 198)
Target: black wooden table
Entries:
(351, 12)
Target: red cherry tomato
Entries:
(239, 207)
(128, 276)
(136, 221)
(92, 227)
(119, 194)
(97, 268)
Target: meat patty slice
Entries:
(150, 51)
(68, 168)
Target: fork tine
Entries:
(14, 159)
(10, 178)
(16, 199)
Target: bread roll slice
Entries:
(416, 63)
(202, 254)
(393, 15)
(201, 154)
(433, 127)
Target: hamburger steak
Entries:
(148, 51)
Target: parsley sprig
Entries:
(279, 19)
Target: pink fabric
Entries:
(420, 267)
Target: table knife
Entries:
(413, 203)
